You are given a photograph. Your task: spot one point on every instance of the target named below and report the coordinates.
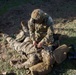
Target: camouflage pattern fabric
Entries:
(60, 53)
(39, 63)
(41, 32)
(30, 51)
(48, 60)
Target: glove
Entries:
(40, 44)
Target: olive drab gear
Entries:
(60, 53)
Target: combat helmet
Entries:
(38, 14)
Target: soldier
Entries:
(48, 60)
(38, 62)
(41, 28)
(41, 33)
(25, 47)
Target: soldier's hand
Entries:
(34, 43)
(40, 44)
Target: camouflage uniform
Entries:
(25, 47)
(48, 60)
(41, 27)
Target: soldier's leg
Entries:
(14, 44)
(44, 67)
(32, 60)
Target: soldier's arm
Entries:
(24, 26)
(50, 23)
(48, 37)
(50, 32)
(31, 27)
